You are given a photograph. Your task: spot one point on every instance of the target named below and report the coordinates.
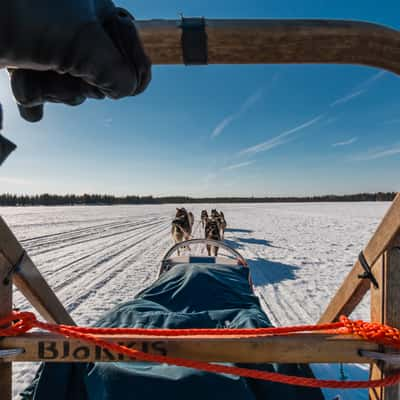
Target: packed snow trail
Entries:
(98, 256)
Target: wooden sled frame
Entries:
(239, 42)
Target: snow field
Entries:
(98, 256)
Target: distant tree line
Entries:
(46, 199)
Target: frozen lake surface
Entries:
(98, 256)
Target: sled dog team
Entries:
(214, 226)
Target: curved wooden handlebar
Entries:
(279, 42)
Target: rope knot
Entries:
(17, 323)
(372, 331)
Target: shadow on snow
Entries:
(232, 243)
(238, 243)
(266, 272)
(238, 230)
(261, 242)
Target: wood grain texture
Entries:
(385, 309)
(304, 348)
(279, 42)
(5, 309)
(391, 302)
(377, 315)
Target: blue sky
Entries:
(223, 130)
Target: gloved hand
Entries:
(68, 50)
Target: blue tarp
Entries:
(187, 296)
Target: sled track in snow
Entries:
(98, 259)
(107, 274)
(281, 301)
(102, 263)
(87, 228)
(68, 241)
(97, 248)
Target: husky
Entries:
(191, 220)
(212, 231)
(214, 214)
(181, 213)
(204, 218)
(188, 217)
(179, 231)
(222, 224)
(219, 218)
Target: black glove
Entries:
(68, 50)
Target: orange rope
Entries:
(22, 322)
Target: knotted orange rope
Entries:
(22, 322)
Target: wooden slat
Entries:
(5, 309)
(385, 309)
(305, 348)
(279, 41)
(377, 315)
(391, 309)
(30, 281)
(353, 289)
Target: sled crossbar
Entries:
(304, 348)
(252, 41)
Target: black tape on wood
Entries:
(194, 41)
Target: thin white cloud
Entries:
(223, 124)
(237, 166)
(15, 181)
(246, 106)
(359, 89)
(249, 102)
(345, 142)
(280, 139)
(378, 153)
(373, 78)
(348, 97)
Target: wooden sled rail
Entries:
(278, 42)
(25, 275)
(301, 348)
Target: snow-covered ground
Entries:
(97, 257)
